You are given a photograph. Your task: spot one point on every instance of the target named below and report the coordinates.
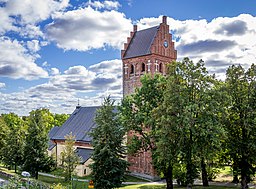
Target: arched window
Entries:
(132, 69)
(161, 67)
(84, 171)
(143, 67)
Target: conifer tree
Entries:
(109, 166)
(35, 151)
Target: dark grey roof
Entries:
(80, 123)
(141, 42)
(52, 132)
(84, 154)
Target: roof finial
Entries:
(78, 104)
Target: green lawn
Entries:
(153, 186)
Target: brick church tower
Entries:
(146, 51)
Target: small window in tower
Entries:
(143, 67)
(160, 67)
(84, 171)
(132, 69)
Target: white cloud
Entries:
(16, 62)
(31, 12)
(221, 42)
(55, 71)
(33, 45)
(61, 92)
(87, 28)
(103, 5)
(22, 16)
(30, 31)
(2, 85)
(6, 22)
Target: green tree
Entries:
(35, 151)
(137, 116)
(241, 143)
(109, 166)
(137, 110)
(12, 152)
(69, 157)
(48, 118)
(189, 119)
(4, 130)
(59, 119)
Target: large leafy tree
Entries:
(69, 157)
(189, 118)
(241, 143)
(12, 152)
(109, 166)
(35, 151)
(59, 119)
(136, 113)
(4, 130)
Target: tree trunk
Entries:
(15, 167)
(36, 176)
(189, 177)
(244, 173)
(168, 176)
(204, 173)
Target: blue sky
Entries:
(53, 52)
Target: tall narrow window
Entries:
(125, 69)
(161, 67)
(157, 66)
(132, 69)
(84, 171)
(148, 64)
(143, 67)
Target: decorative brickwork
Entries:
(146, 51)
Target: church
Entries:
(146, 51)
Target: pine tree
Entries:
(35, 151)
(109, 166)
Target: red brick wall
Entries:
(160, 55)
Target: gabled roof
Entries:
(80, 123)
(141, 42)
(84, 154)
(52, 132)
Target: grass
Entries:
(9, 171)
(225, 175)
(51, 181)
(162, 186)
